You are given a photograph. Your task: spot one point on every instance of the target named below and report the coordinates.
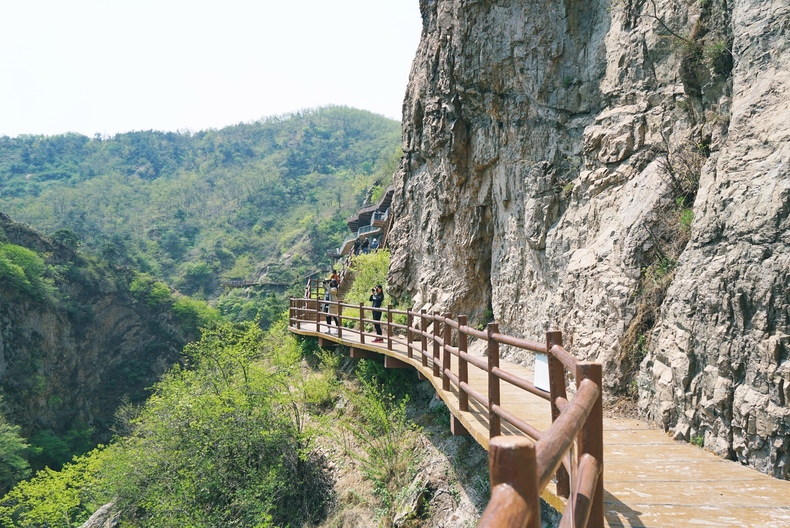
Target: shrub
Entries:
(23, 269)
(58, 499)
(152, 292)
(227, 436)
(194, 314)
(387, 439)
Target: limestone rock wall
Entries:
(548, 150)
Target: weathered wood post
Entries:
(494, 422)
(362, 323)
(590, 439)
(424, 343)
(435, 344)
(463, 367)
(557, 390)
(514, 482)
(389, 327)
(447, 338)
(409, 335)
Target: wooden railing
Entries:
(521, 467)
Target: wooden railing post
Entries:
(409, 335)
(557, 390)
(339, 320)
(435, 344)
(590, 439)
(389, 327)
(463, 367)
(298, 313)
(318, 316)
(514, 483)
(494, 422)
(424, 343)
(362, 323)
(447, 338)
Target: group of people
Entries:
(331, 307)
(365, 245)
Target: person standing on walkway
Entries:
(333, 309)
(377, 298)
(365, 245)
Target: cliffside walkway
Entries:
(649, 480)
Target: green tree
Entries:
(13, 465)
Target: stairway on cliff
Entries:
(346, 281)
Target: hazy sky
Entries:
(117, 65)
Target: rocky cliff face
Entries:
(70, 358)
(618, 171)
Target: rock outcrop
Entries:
(555, 154)
(70, 358)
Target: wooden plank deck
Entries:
(649, 479)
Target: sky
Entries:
(114, 66)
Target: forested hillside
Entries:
(78, 337)
(257, 200)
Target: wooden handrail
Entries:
(581, 503)
(559, 437)
(520, 383)
(514, 503)
(526, 344)
(432, 340)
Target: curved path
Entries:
(650, 480)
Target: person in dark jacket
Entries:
(377, 298)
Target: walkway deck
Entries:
(650, 480)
